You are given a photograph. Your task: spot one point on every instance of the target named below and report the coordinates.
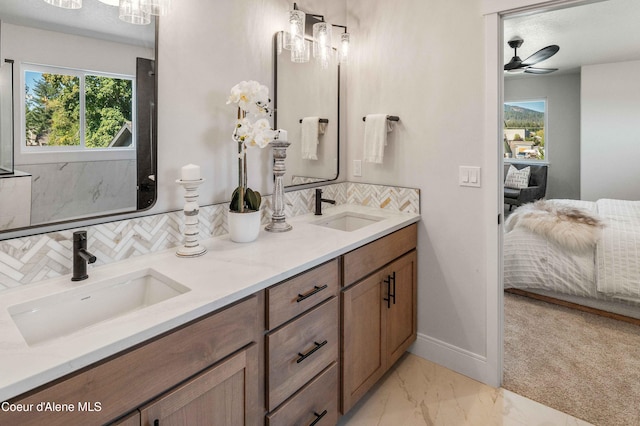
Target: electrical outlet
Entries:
(357, 167)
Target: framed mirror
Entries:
(305, 92)
(83, 116)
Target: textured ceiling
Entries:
(595, 33)
(94, 19)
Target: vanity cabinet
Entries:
(378, 310)
(302, 348)
(296, 353)
(204, 362)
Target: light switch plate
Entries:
(469, 176)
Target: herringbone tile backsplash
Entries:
(35, 258)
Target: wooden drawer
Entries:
(317, 401)
(295, 296)
(300, 350)
(126, 380)
(367, 259)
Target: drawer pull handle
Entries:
(310, 293)
(308, 354)
(318, 417)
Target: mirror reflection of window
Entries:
(72, 108)
(524, 130)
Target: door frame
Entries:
(494, 12)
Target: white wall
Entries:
(407, 62)
(205, 48)
(610, 136)
(562, 135)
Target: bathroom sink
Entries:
(348, 221)
(63, 313)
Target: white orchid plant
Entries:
(252, 129)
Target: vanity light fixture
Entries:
(301, 53)
(294, 38)
(157, 7)
(322, 43)
(66, 4)
(132, 12)
(299, 24)
(343, 50)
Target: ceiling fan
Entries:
(518, 65)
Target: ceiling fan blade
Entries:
(541, 55)
(539, 70)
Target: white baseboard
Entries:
(454, 358)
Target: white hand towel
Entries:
(309, 140)
(376, 127)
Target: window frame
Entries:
(516, 160)
(108, 153)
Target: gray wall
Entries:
(610, 142)
(562, 134)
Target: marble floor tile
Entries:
(418, 392)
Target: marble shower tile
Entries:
(77, 189)
(15, 202)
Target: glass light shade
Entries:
(157, 7)
(111, 2)
(132, 11)
(296, 29)
(322, 43)
(66, 4)
(344, 48)
(301, 52)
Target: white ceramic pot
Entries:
(244, 227)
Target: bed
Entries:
(602, 274)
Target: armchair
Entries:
(537, 185)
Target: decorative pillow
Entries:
(517, 179)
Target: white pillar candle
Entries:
(191, 172)
(282, 135)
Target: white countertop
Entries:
(226, 273)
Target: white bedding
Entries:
(612, 270)
(618, 251)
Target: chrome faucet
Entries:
(81, 256)
(320, 200)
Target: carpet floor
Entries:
(579, 363)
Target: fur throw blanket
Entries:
(572, 228)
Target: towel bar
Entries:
(322, 120)
(389, 117)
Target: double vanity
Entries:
(291, 329)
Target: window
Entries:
(71, 109)
(524, 127)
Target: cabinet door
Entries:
(400, 277)
(215, 397)
(363, 353)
